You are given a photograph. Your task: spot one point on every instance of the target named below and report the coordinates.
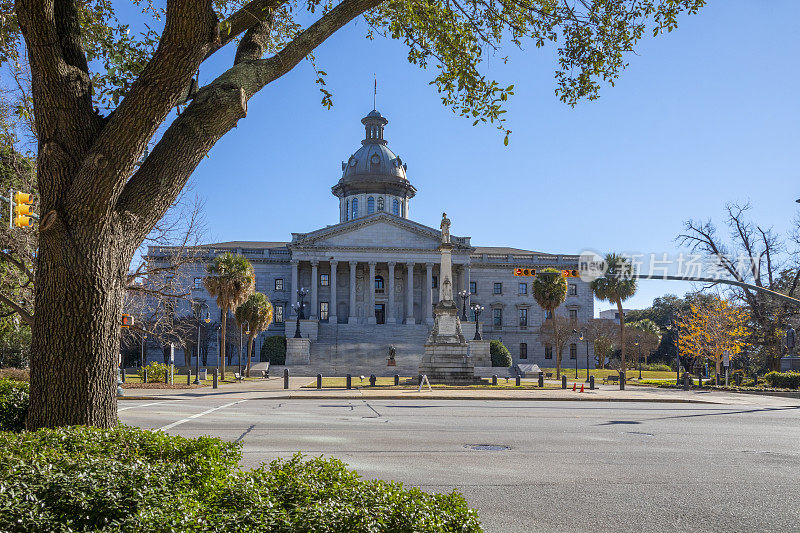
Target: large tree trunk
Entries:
(622, 365)
(79, 290)
(223, 329)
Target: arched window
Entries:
(370, 205)
(379, 284)
(395, 207)
(347, 211)
(380, 203)
(354, 212)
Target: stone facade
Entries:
(381, 270)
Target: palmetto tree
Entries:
(230, 280)
(549, 289)
(257, 312)
(616, 286)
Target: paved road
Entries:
(600, 466)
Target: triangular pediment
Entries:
(378, 230)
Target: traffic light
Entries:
(570, 273)
(127, 321)
(23, 211)
(524, 271)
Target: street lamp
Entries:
(207, 319)
(298, 308)
(144, 340)
(586, 338)
(301, 294)
(241, 327)
(477, 309)
(464, 296)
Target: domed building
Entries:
(370, 282)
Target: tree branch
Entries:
(23, 313)
(214, 111)
(247, 17)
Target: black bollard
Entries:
(687, 381)
(215, 380)
(563, 381)
(699, 380)
(622, 378)
(518, 381)
(372, 380)
(716, 377)
(494, 379)
(122, 371)
(541, 379)
(419, 379)
(189, 377)
(349, 381)
(166, 377)
(285, 378)
(319, 381)
(755, 379)
(396, 380)
(145, 375)
(591, 382)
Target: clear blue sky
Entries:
(704, 115)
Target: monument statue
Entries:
(790, 341)
(445, 227)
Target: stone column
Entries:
(390, 312)
(294, 288)
(352, 319)
(370, 312)
(314, 315)
(410, 295)
(332, 318)
(427, 294)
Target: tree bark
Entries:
(222, 345)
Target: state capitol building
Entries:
(372, 278)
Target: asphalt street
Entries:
(561, 466)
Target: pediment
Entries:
(379, 230)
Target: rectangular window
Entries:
(523, 317)
(573, 289)
(323, 310)
(278, 318)
(198, 283)
(573, 314)
(473, 287)
(279, 284)
(548, 351)
(548, 314)
(523, 350)
(497, 318)
(573, 351)
(323, 280)
(523, 288)
(498, 288)
(434, 282)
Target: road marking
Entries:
(142, 405)
(179, 422)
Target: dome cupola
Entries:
(373, 178)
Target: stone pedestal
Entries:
(790, 363)
(298, 351)
(468, 328)
(309, 328)
(479, 353)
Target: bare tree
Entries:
(556, 331)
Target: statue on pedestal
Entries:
(789, 341)
(445, 227)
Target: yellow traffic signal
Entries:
(23, 210)
(570, 273)
(524, 271)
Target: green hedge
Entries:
(274, 350)
(14, 401)
(500, 354)
(783, 380)
(132, 480)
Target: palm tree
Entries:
(257, 312)
(230, 280)
(616, 286)
(549, 289)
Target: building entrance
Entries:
(380, 313)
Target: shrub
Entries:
(500, 354)
(274, 350)
(156, 372)
(14, 401)
(783, 380)
(658, 367)
(132, 480)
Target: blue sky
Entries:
(704, 115)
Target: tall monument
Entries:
(446, 358)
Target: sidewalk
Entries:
(273, 389)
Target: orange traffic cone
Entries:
(573, 387)
(581, 387)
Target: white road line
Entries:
(179, 422)
(142, 405)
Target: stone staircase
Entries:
(362, 349)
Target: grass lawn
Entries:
(387, 382)
(601, 373)
(133, 381)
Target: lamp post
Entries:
(464, 296)
(241, 327)
(301, 294)
(297, 310)
(144, 340)
(477, 309)
(575, 332)
(586, 338)
(639, 357)
(207, 319)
